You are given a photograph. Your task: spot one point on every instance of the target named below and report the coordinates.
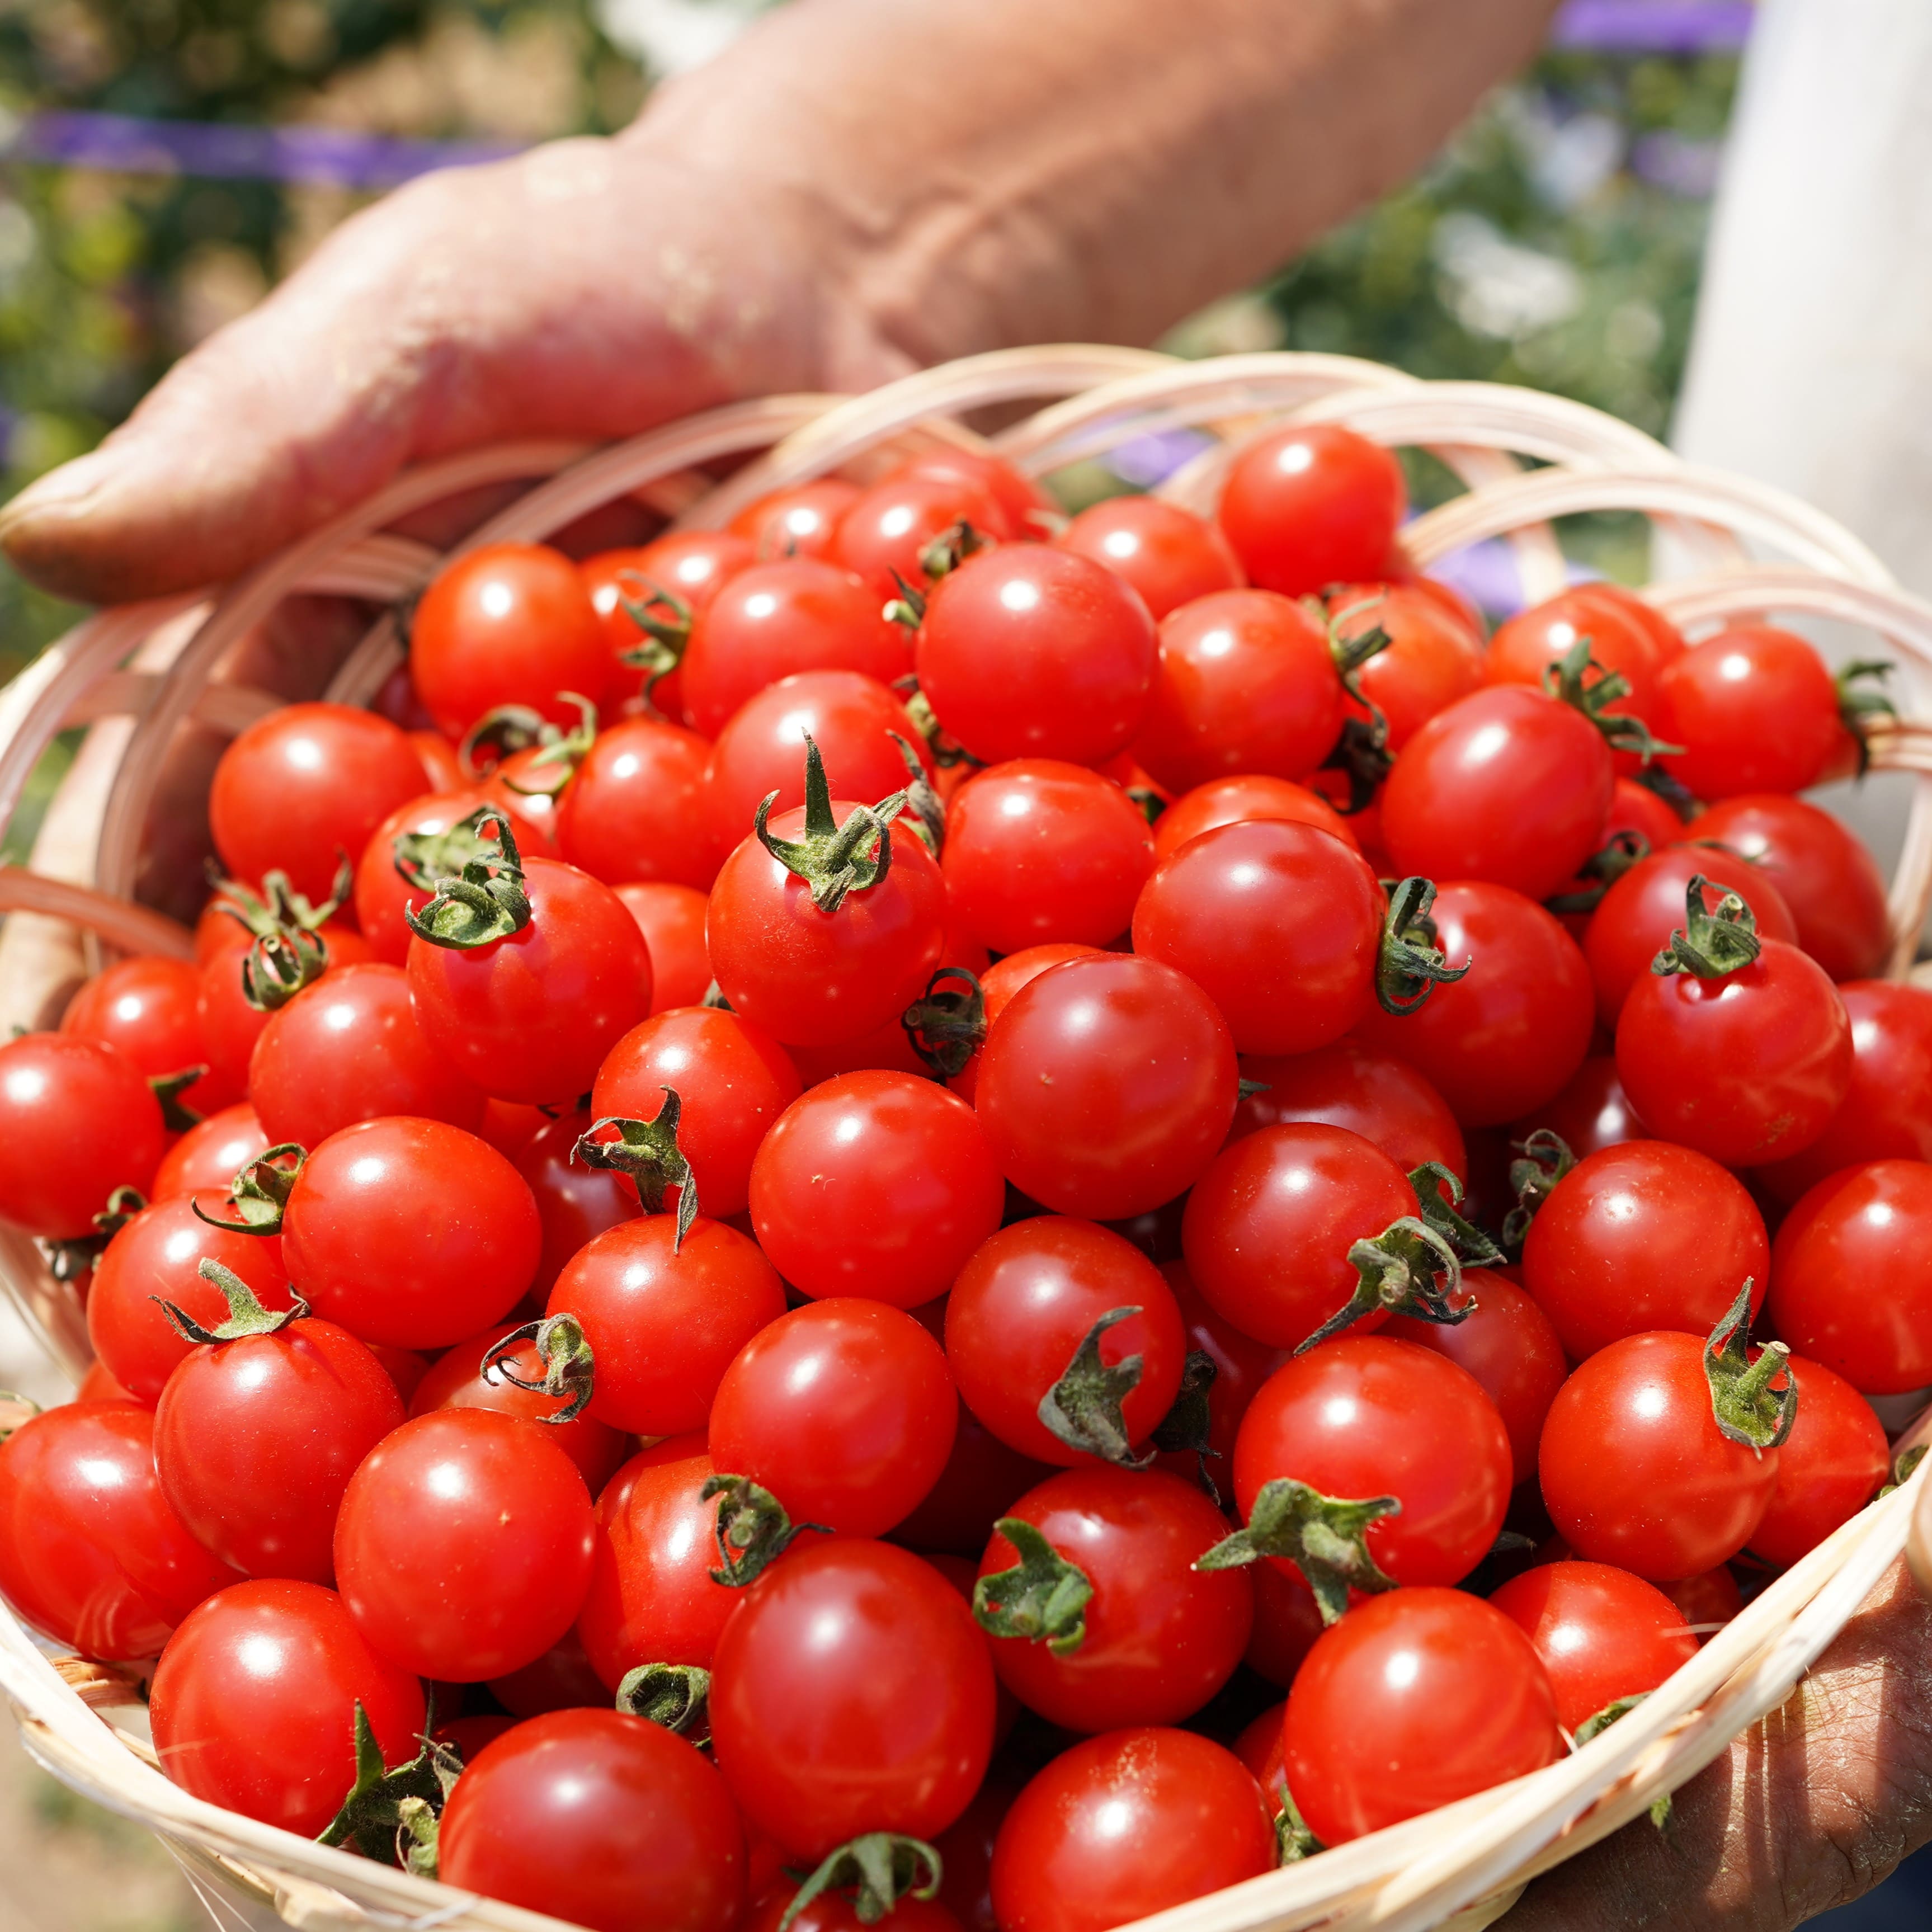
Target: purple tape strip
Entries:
(1654, 26)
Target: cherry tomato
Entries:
(1602, 602)
(1636, 807)
(1433, 657)
(1279, 925)
(671, 918)
(1037, 851)
(256, 1439)
(463, 1544)
(509, 1126)
(875, 1183)
(797, 522)
(1747, 1067)
(153, 1258)
(574, 1202)
(1383, 1100)
(690, 566)
(851, 1692)
(253, 1703)
(665, 1320)
(1246, 684)
(982, 1480)
(1641, 1236)
(1635, 1472)
(77, 1121)
(1365, 1416)
(1828, 1468)
(1592, 1112)
(1125, 1825)
(145, 1008)
(844, 1409)
(1508, 1035)
(1238, 801)
(91, 1551)
(530, 1017)
(1024, 1304)
(1710, 1598)
(507, 623)
(211, 1154)
(411, 1232)
(1507, 785)
(97, 1385)
(1311, 505)
(775, 618)
(881, 538)
(1755, 710)
(998, 984)
(1509, 1345)
(1525, 649)
(607, 1820)
(1168, 554)
(1850, 1288)
(1026, 506)
(635, 808)
(1241, 1365)
(1830, 882)
(1106, 1085)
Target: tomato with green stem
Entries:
(671, 580)
(797, 522)
(575, 1202)
(882, 538)
(145, 1008)
(1531, 647)
(1828, 1468)
(211, 1154)
(1431, 659)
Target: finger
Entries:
(1807, 1811)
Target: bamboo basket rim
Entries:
(138, 671)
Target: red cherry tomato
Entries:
(97, 1385)
(1709, 1598)
(1268, 1227)
(1412, 1701)
(690, 566)
(211, 1154)
(1383, 1100)
(77, 1121)
(1635, 808)
(1313, 504)
(1238, 801)
(776, 618)
(256, 1439)
(1755, 710)
(1508, 1035)
(1635, 1472)
(1525, 649)
(1830, 882)
(1168, 554)
(1591, 1113)
(507, 624)
(1279, 925)
(410, 1232)
(797, 522)
(145, 1008)
(1828, 1468)
(998, 984)
(464, 1545)
(1641, 1236)
(1433, 657)
(875, 1183)
(1507, 785)
(635, 808)
(1037, 852)
(1509, 1345)
(1106, 1085)
(671, 918)
(574, 1203)
(1365, 1416)
(880, 538)
(852, 1692)
(1024, 1304)
(91, 1551)
(1601, 602)
(1241, 1365)
(1246, 684)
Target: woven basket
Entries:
(135, 674)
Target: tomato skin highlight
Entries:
(1384, 1099)
(55, 1089)
(211, 1154)
(1311, 505)
(1168, 554)
(1755, 710)
(1241, 801)
(145, 1008)
(637, 807)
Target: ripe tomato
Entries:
(1168, 554)
(1037, 851)
(635, 808)
(881, 538)
(1279, 925)
(664, 1320)
(91, 1551)
(1849, 1285)
(1754, 709)
(1269, 1226)
(688, 566)
(607, 1820)
(1125, 1825)
(1509, 1035)
(796, 615)
(1641, 1236)
(1433, 658)
(59, 1095)
(256, 1439)
(1525, 650)
(1025, 504)
(463, 1544)
(1711, 1596)
(851, 1692)
(1364, 1416)
(998, 983)
(1345, 1085)
(1159, 1637)
(1507, 785)
(1238, 801)
(1313, 504)
(797, 522)
(1410, 1702)
(671, 918)
(843, 1409)
(1634, 920)
(1106, 1085)
(875, 1183)
(1635, 1471)
(211, 1154)
(1828, 1468)
(1246, 684)
(1509, 1345)
(411, 1232)
(507, 624)
(1025, 1303)
(145, 1008)
(253, 1703)
(574, 1203)
(1830, 882)
(1241, 1365)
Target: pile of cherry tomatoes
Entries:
(920, 1208)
